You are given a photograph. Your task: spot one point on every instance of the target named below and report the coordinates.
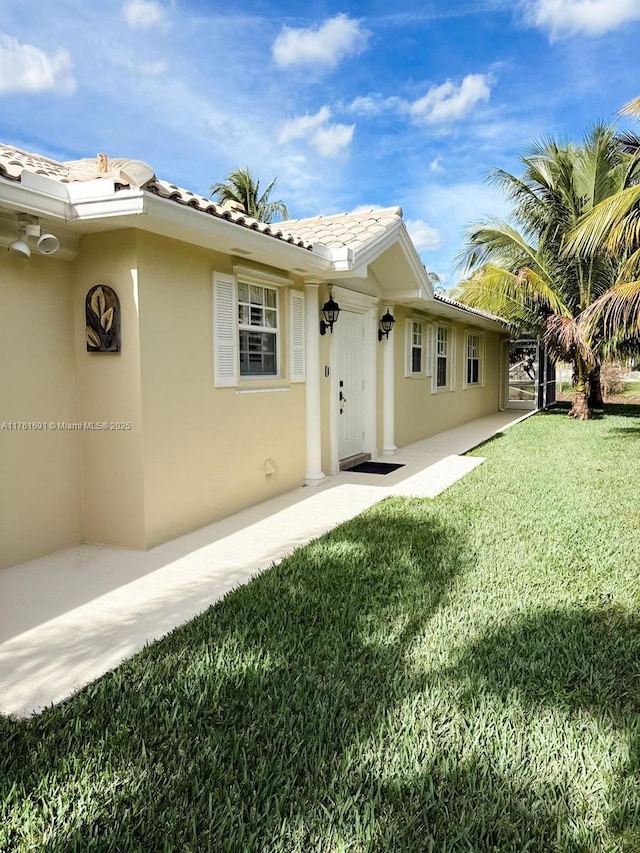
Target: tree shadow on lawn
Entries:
(244, 729)
(294, 716)
(582, 663)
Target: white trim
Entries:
(359, 303)
(261, 390)
(260, 277)
(430, 345)
(276, 331)
(481, 359)
(450, 356)
(314, 475)
(409, 372)
(352, 300)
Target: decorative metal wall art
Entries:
(102, 308)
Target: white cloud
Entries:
(325, 45)
(564, 18)
(424, 236)
(332, 140)
(371, 105)
(144, 14)
(303, 126)
(436, 166)
(448, 102)
(329, 140)
(25, 68)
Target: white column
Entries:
(388, 394)
(314, 475)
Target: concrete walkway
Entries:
(68, 618)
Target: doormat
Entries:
(375, 467)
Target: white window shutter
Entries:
(454, 365)
(430, 348)
(483, 361)
(408, 346)
(225, 330)
(297, 367)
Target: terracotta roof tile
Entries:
(448, 301)
(13, 161)
(351, 230)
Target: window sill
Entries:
(263, 389)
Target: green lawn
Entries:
(460, 674)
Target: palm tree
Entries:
(521, 272)
(241, 187)
(614, 225)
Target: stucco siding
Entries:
(205, 447)
(40, 479)
(420, 412)
(110, 393)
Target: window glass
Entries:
(441, 357)
(416, 347)
(258, 330)
(473, 359)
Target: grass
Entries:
(631, 392)
(452, 675)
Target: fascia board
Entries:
(210, 231)
(396, 234)
(123, 203)
(19, 198)
(365, 256)
(441, 309)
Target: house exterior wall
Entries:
(205, 447)
(110, 392)
(40, 486)
(181, 452)
(420, 413)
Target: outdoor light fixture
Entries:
(29, 226)
(386, 324)
(330, 311)
(20, 246)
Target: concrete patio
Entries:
(67, 618)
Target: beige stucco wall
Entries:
(421, 413)
(40, 495)
(110, 393)
(205, 447)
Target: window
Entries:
(444, 359)
(442, 346)
(474, 345)
(251, 311)
(415, 348)
(258, 329)
(418, 349)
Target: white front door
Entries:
(349, 386)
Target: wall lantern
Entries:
(330, 311)
(386, 324)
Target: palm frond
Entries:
(566, 338)
(612, 221)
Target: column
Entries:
(388, 394)
(314, 475)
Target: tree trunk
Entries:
(595, 400)
(580, 409)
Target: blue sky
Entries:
(349, 105)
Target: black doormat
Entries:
(375, 467)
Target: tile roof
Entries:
(351, 230)
(439, 297)
(13, 161)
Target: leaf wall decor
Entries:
(102, 310)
